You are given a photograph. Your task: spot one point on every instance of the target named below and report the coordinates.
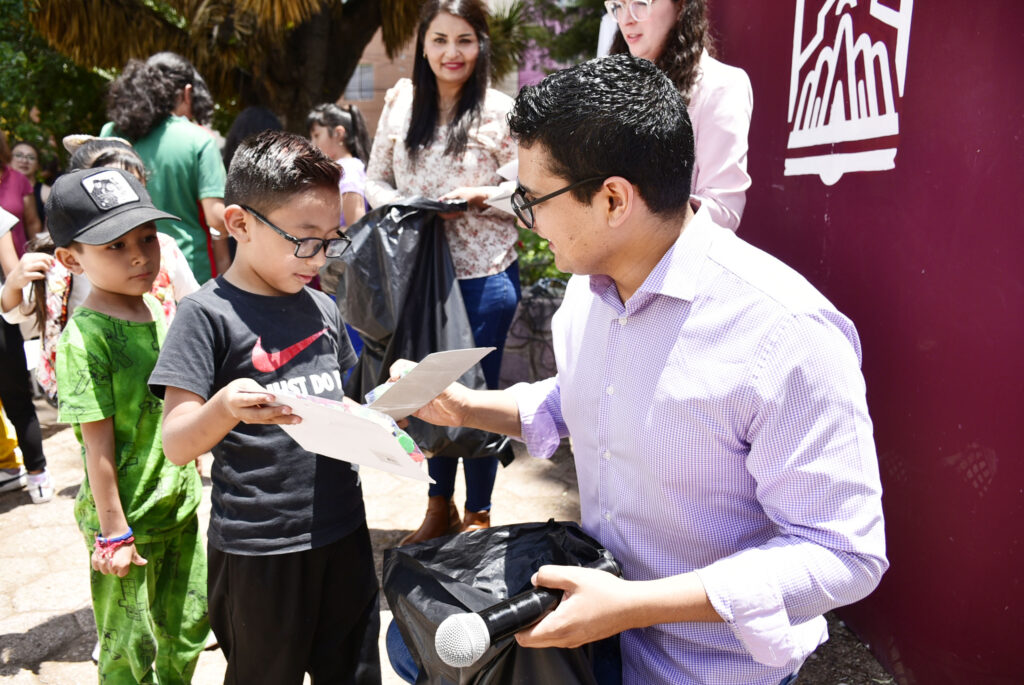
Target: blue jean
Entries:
(490, 305)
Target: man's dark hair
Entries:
(273, 166)
(615, 116)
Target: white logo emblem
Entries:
(843, 109)
(108, 190)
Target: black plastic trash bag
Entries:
(427, 582)
(529, 355)
(396, 286)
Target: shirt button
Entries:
(610, 390)
(622, 321)
(607, 455)
(607, 516)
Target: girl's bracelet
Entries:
(103, 542)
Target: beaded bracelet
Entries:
(108, 546)
(106, 542)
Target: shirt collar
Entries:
(676, 273)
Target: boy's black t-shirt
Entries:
(270, 496)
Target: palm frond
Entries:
(510, 37)
(398, 19)
(82, 30)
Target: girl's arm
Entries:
(31, 267)
(353, 207)
(101, 467)
(8, 255)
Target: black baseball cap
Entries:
(98, 206)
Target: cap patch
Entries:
(108, 190)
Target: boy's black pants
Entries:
(317, 611)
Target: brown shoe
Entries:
(476, 520)
(442, 518)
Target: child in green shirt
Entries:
(136, 509)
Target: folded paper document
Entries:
(368, 435)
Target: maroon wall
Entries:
(925, 258)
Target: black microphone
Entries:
(461, 639)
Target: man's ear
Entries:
(67, 257)
(619, 199)
(234, 221)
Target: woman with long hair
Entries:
(340, 133)
(444, 135)
(159, 105)
(674, 35)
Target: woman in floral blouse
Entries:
(444, 135)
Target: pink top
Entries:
(721, 103)
(13, 189)
(482, 242)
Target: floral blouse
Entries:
(482, 242)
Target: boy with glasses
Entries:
(292, 585)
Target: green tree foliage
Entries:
(287, 55)
(43, 94)
(573, 28)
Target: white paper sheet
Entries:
(329, 429)
(427, 380)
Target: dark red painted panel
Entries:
(925, 258)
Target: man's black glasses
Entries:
(308, 247)
(524, 209)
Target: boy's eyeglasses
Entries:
(524, 209)
(308, 247)
(640, 10)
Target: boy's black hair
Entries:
(616, 116)
(249, 121)
(272, 166)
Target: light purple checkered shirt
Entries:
(719, 425)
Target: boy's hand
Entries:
(119, 563)
(248, 402)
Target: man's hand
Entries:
(247, 401)
(118, 563)
(596, 605)
(447, 409)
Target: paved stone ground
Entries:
(46, 626)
